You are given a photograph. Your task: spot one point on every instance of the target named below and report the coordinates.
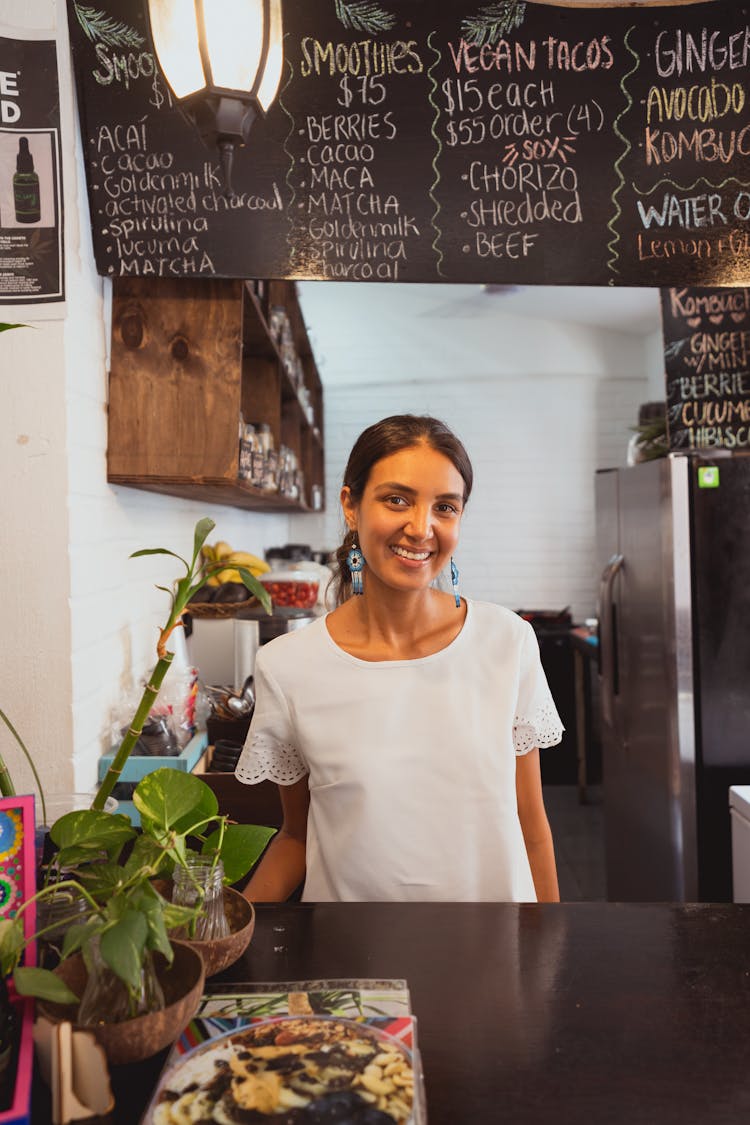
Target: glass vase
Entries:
(107, 999)
(55, 912)
(203, 881)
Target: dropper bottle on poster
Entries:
(26, 198)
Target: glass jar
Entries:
(202, 880)
(107, 999)
(55, 912)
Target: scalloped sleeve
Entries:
(536, 722)
(270, 753)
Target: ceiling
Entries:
(629, 310)
(399, 328)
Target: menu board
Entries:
(409, 141)
(707, 363)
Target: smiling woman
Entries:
(403, 728)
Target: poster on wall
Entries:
(31, 210)
(707, 366)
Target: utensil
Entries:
(238, 706)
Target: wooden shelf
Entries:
(236, 493)
(189, 357)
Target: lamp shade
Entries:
(223, 61)
(228, 46)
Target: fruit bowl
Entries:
(334, 1075)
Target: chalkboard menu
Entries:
(416, 141)
(707, 362)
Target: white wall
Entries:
(79, 620)
(535, 443)
(540, 404)
(654, 347)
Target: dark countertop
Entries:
(618, 1014)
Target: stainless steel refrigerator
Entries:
(673, 537)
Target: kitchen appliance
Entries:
(558, 764)
(223, 649)
(739, 813)
(673, 536)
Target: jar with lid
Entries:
(291, 589)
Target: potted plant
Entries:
(106, 869)
(110, 867)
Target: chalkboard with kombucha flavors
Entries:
(416, 141)
(707, 364)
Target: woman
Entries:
(404, 727)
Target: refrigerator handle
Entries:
(606, 613)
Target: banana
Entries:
(221, 550)
(213, 581)
(252, 563)
(208, 553)
(229, 574)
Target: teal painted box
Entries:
(138, 765)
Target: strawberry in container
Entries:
(291, 589)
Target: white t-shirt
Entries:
(411, 763)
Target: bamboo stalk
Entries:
(133, 733)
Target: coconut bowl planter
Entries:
(143, 1036)
(219, 953)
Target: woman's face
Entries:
(408, 519)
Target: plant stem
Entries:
(7, 788)
(150, 693)
(6, 783)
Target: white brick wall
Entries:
(535, 442)
(80, 619)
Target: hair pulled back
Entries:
(391, 435)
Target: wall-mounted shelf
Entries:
(189, 357)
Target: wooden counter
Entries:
(622, 1014)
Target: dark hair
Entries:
(391, 435)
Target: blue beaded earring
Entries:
(454, 582)
(355, 561)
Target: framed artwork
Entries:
(18, 863)
(17, 884)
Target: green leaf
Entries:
(92, 829)
(11, 944)
(101, 880)
(242, 846)
(203, 529)
(123, 944)
(81, 858)
(147, 856)
(43, 984)
(151, 904)
(177, 916)
(170, 797)
(7, 327)
(158, 551)
(183, 590)
(78, 934)
(255, 587)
